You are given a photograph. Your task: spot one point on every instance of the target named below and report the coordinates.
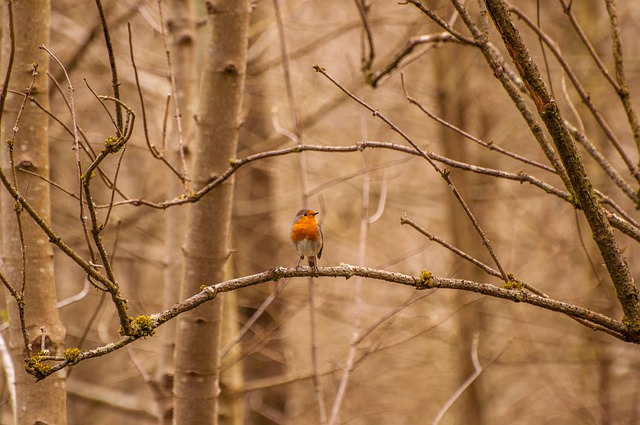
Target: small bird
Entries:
(306, 237)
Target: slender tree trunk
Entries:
(196, 385)
(43, 402)
(452, 103)
(232, 379)
(253, 232)
(180, 24)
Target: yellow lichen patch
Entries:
(114, 144)
(34, 366)
(141, 327)
(71, 353)
(513, 283)
(426, 280)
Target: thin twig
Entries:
(105, 222)
(582, 92)
(511, 83)
(444, 173)
(10, 59)
(490, 146)
(433, 40)
(444, 24)
(53, 237)
(297, 128)
(389, 315)
(315, 377)
(368, 49)
(111, 146)
(405, 220)
(85, 145)
(143, 110)
(49, 181)
(20, 301)
(76, 148)
(104, 106)
(278, 288)
(182, 146)
(543, 50)
(478, 369)
(303, 173)
(568, 10)
(87, 41)
(366, 219)
(115, 82)
(602, 161)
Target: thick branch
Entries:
(586, 197)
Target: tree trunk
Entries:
(453, 100)
(196, 385)
(43, 402)
(180, 24)
(255, 233)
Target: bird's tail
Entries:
(312, 262)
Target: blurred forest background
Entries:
(357, 351)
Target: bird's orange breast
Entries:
(304, 230)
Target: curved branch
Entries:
(621, 221)
(589, 318)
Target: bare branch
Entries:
(490, 146)
(624, 92)
(115, 82)
(469, 258)
(595, 320)
(442, 172)
(10, 59)
(547, 107)
(582, 92)
(433, 40)
(368, 49)
(478, 369)
(154, 152)
(444, 24)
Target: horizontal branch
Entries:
(146, 325)
(620, 222)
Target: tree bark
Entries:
(196, 385)
(180, 24)
(43, 402)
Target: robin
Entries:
(306, 237)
